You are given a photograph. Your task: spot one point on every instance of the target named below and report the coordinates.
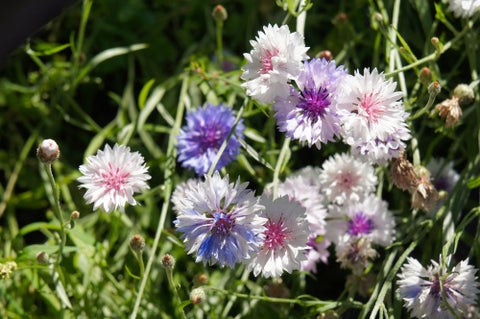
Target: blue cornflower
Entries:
(220, 221)
(309, 114)
(206, 129)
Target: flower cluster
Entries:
(317, 102)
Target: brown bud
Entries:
(425, 75)
(327, 55)
(168, 261)
(137, 243)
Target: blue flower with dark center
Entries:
(207, 128)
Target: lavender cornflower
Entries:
(421, 289)
(220, 221)
(207, 128)
(310, 115)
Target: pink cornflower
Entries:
(112, 177)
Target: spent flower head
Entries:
(112, 177)
(206, 130)
(220, 221)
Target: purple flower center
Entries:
(211, 138)
(436, 290)
(314, 103)
(360, 224)
(114, 178)
(276, 234)
(223, 224)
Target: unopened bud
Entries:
(378, 17)
(219, 13)
(326, 54)
(437, 45)
(137, 243)
(75, 215)
(200, 280)
(434, 88)
(48, 151)
(168, 261)
(197, 295)
(464, 93)
(43, 258)
(425, 76)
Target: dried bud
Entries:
(403, 173)
(137, 243)
(425, 195)
(327, 55)
(219, 13)
(43, 258)
(464, 93)
(197, 295)
(425, 76)
(48, 151)
(355, 254)
(168, 261)
(200, 280)
(449, 109)
(277, 290)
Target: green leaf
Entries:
(144, 93)
(131, 274)
(62, 294)
(184, 304)
(474, 183)
(51, 49)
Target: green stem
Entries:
(141, 264)
(172, 284)
(87, 5)
(232, 300)
(219, 42)
(431, 99)
(170, 168)
(279, 164)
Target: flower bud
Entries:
(437, 45)
(464, 93)
(327, 55)
(425, 76)
(168, 261)
(48, 151)
(219, 13)
(200, 280)
(434, 88)
(197, 295)
(43, 258)
(137, 243)
(75, 215)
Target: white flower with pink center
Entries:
(285, 238)
(346, 178)
(369, 219)
(112, 177)
(373, 116)
(276, 59)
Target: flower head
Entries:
(207, 128)
(220, 221)
(403, 173)
(369, 218)
(373, 116)
(286, 238)
(276, 58)
(421, 289)
(112, 177)
(463, 8)
(346, 178)
(354, 253)
(310, 115)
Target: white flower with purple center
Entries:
(285, 238)
(369, 219)
(421, 289)
(220, 221)
(276, 58)
(310, 115)
(112, 177)
(463, 8)
(206, 130)
(373, 116)
(346, 178)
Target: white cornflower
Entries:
(346, 178)
(369, 219)
(373, 116)
(276, 58)
(112, 177)
(463, 8)
(285, 238)
(421, 291)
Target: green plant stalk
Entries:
(169, 169)
(58, 210)
(141, 264)
(279, 164)
(219, 24)
(87, 6)
(431, 99)
(175, 291)
(232, 300)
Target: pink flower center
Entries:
(266, 61)
(347, 180)
(370, 106)
(276, 235)
(114, 178)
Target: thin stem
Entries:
(172, 284)
(431, 99)
(219, 42)
(170, 168)
(281, 159)
(141, 264)
(232, 300)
